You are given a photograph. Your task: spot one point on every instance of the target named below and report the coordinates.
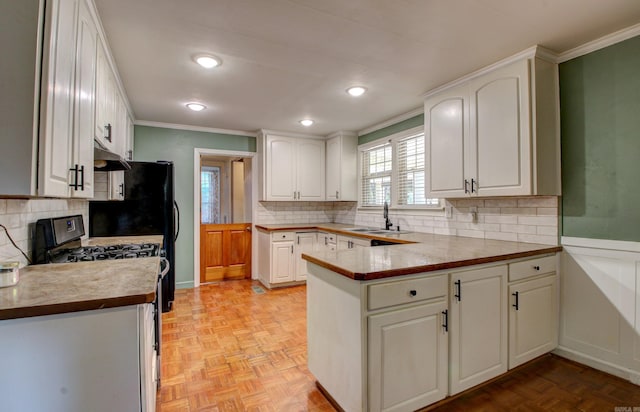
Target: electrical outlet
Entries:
(448, 212)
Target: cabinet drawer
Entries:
(276, 236)
(406, 291)
(532, 267)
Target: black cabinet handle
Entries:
(536, 267)
(107, 131)
(473, 182)
(516, 304)
(413, 293)
(130, 154)
(458, 294)
(74, 184)
(445, 320)
(292, 250)
(122, 190)
(466, 186)
(81, 177)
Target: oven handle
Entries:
(166, 267)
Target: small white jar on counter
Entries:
(9, 273)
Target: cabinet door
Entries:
(305, 242)
(499, 130)
(280, 168)
(116, 185)
(478, 326)
(57, 103)
(343, 242)
(105, 101)
(282, 262)
(87, 41)
(446, 131)
(129, 139)
(407, 358)
(310, 169)
(333, 168)
(533, 319)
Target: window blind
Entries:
(411, 172)
(377, 164)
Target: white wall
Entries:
(20, 216)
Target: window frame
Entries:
(393, 139)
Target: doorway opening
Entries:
(223, 196)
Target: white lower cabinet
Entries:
(351, 242)
(408, 357)
(305, 242)
(283, 261)
(478, 326)
(533, 319)
(402, 343)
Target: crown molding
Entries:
(193, 128)
(342, 133)
(393, 120)
(290, 134)
(601, 43)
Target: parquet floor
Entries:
(227, 348)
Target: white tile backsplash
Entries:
(525, 219)
(20, 216)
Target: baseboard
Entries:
(610, 368)
(184, 285)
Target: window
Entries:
(395, 172)
(376, 175)
(210, 194)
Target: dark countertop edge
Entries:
(362, 235)
(80, 306)
(429, 268)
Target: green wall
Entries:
(154, 143)
(600, 122)
(394, 128)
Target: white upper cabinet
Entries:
(292, 169)
(67, 101)
(495, 133)
(341, 167)
(106, 102)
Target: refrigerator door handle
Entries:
(176, 219)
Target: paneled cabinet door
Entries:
(446, 130)
(282, 262)
(105, 101)
(310, 169)
(407, 358)
(57, 100)
(85, 101)
(116, 185)
(478, 326)
(305, 242)
(341, 167)
(499, 113)
(280, 168)
(533, 319)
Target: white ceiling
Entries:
(284, 60)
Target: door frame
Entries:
(197, 154)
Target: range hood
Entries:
(106, 161)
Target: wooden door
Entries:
(225, 252)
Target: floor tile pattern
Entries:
(227, 348)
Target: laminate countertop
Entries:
(71, 287)
(414, 253)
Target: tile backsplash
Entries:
(20, 215)
(531, 219)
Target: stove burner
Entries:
(91, 253)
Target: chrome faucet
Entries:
(387, 222)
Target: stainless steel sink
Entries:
(374, 231)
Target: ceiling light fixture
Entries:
(306, 122)
(196, 107)
(208, 61)
(356, 91)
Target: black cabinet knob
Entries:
(412, 293)
(536, 267)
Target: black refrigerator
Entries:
(148, 208)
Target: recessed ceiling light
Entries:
(306, 122)
(208, 61)
(196, 107)
(356, 91)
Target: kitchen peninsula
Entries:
(400, 327)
